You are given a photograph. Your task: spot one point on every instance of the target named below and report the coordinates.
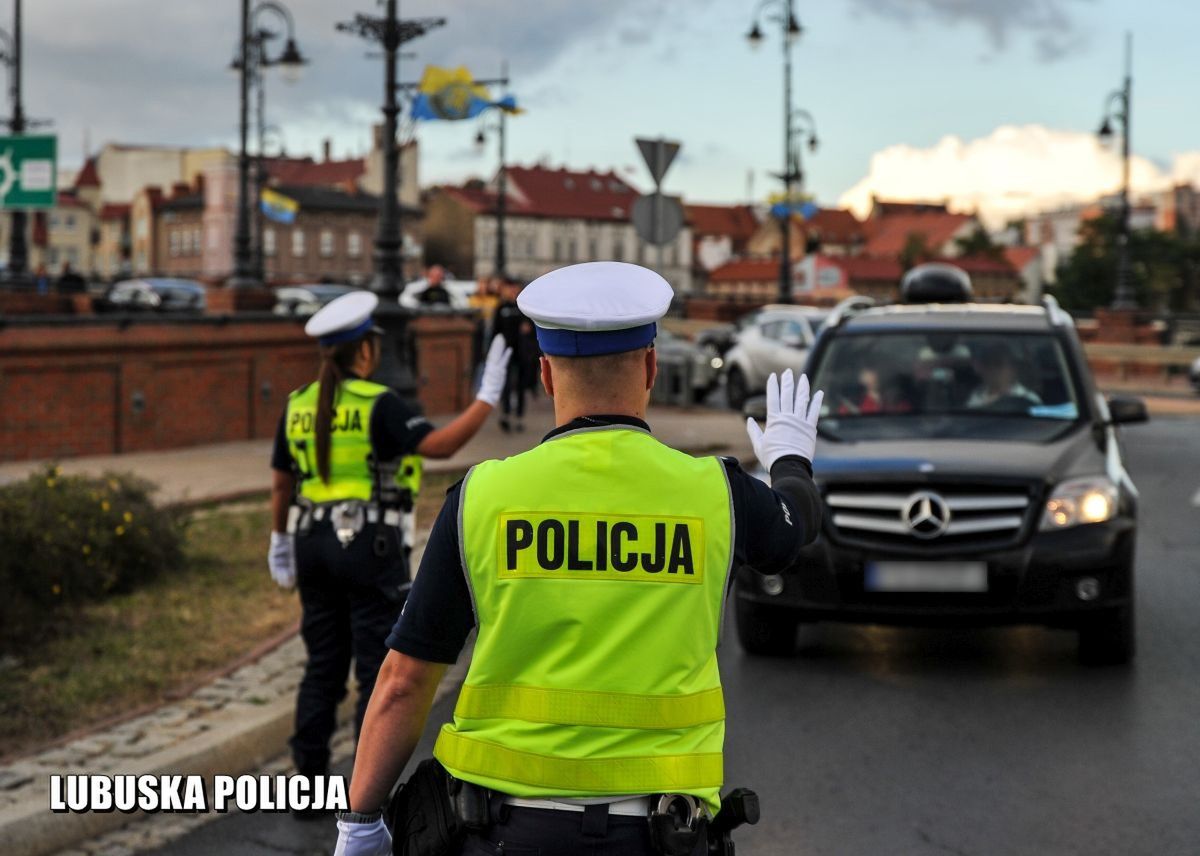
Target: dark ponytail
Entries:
(336, 364)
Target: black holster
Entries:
(422, 814)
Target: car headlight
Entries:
(716, 362)
(1086, 500)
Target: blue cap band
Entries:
(594, 343)
(348, 335)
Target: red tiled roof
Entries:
(834, 225)
(746, 270)
(888, 235)
(736, 221)
(89, 176)
(1020, 257)
(307, 172)
(114, 211)
(867, 268)
(561, 193)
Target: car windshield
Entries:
(946, 384)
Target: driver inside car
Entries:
(998, 373)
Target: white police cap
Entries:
(596, 308)
(343, 319)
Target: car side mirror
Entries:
(755, 408)
(1126, 410)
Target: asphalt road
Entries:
(891, 741)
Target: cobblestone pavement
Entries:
(110, 751)
(148, 832)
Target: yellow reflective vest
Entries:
(598, 564)
(350, 472)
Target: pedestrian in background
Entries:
(69, 282)
(337, 510)
(595, 567)
(435, 293)
(515, 327)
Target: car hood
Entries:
(921, 460)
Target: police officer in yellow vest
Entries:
(595, 567)
(337, 506)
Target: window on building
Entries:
(326, 247)
(354, 244)
(572, 250)
(173, 243)
(71, 256)
(53, 219)
(529, 247)
(68, 221)
(298, 243)
(618, 252)
(557, 250)
(197, 238)
(268, 242)
(593, 249)
(52, 256)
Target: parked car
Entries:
(460, 290)
(773, 339)
(303, 300)
(676, 348)
(1194, 374)
(971, 474)
(157, 294)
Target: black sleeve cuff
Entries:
(790, 465)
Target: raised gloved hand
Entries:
(495, 369)
(791, 421)
(363, 839)
(281, 559)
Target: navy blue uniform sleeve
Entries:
(397, 427)
(281, 455)
(438, 616)
(773, 522)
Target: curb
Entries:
(241, 744)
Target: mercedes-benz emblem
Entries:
(926, 514)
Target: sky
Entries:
(992, 105)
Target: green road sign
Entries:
(28, 172)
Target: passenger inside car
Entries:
(999, 385)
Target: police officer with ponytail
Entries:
(595, 568)
(338, 501)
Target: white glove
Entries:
(363, 839)
(281, 559)
(495, 370)
(791, 421)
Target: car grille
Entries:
(927, 515)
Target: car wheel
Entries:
(766, 631)
(1108, 639)
(735, 388)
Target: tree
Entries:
(1162, 268)
(916, 250)
(979, 244)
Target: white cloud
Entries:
(1012, 171)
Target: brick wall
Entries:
(110, 386)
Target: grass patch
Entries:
(139, 647)
(135, 648)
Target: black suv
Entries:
(971, 475)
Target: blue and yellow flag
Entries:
(277, 207)
(451, 94)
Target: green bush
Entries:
(68, 540)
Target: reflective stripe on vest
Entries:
(692, 773)
(350, 474)
(597, 564)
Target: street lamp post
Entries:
(250, 63)
(790, 30)
(390, 32)
(1119, 106)
(501, 265)
(18, 250)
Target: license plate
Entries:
(926, 576)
